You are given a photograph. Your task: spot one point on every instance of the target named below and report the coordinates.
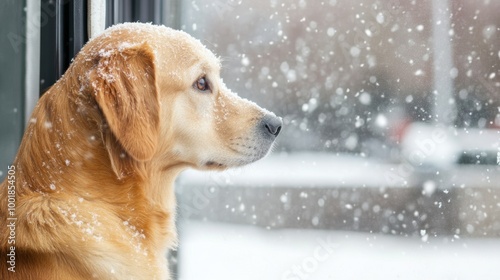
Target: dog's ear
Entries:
(124, 84)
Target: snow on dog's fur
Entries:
(95, 170)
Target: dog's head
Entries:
(163, 100)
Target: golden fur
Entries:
(95, 170)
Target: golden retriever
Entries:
(90, 194)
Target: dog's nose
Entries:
(272, 124)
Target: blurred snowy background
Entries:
(388, 163)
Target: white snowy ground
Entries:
(216, 251)
(327, 170)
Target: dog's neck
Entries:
(80, 153)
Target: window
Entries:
(388, 159)
(12, 51)
(388, 164)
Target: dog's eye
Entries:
(202, 84)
